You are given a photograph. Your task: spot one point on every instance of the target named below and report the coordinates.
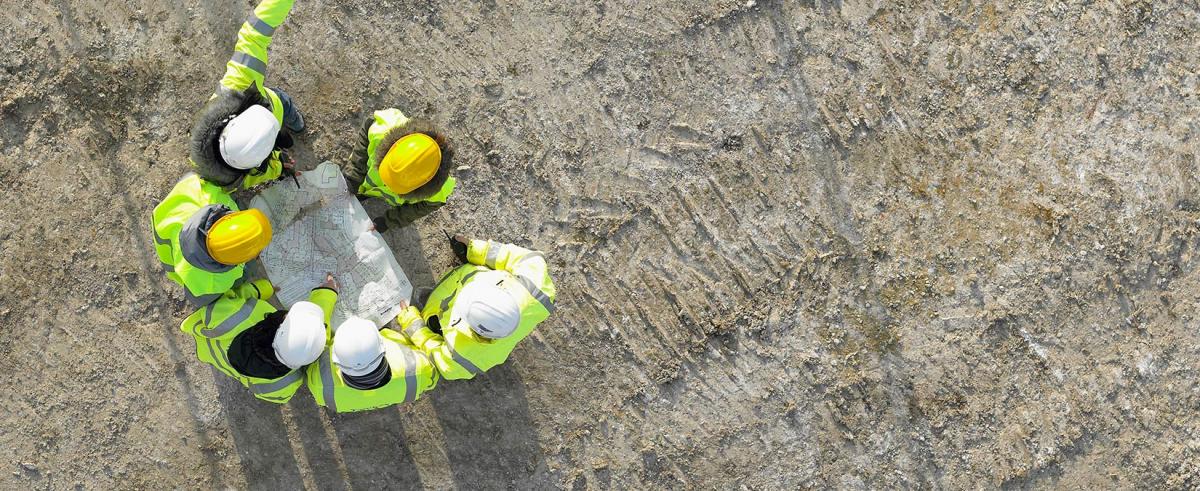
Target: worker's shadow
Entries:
(489, 437)
(365, 450)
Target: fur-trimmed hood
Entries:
(420, 126)
(203, 149)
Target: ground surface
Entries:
(797, 244)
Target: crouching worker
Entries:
(265, 349)
(368, 368)
(405, 162)
(203, 240)
(237, 136)
(479, 312)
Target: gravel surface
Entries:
(834, 244)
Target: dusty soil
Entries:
(797, 244)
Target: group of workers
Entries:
(470, 321)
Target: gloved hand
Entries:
(458, 244)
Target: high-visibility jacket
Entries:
(411, 375)
(242, 86)
(386, 121)
(214, 327)
(201, 286)
(459, 353)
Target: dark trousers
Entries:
(291, 115)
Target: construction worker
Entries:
(479, 312)
(265, 349)
(236, 137)
(368, 368)
(203, 240)
(405, 162)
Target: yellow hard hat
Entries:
(239, 237)
(410, 163)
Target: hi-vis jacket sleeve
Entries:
(431, 344)
(325, 298)
(528, 266)
(260, 289)
(274, 170)
(248, 64)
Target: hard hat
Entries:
(357, 349)
(410, 163)
(249, 138)
(238, 237)
(301, 336)
(487, 307)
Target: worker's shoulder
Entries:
(385, 120)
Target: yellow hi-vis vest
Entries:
(412, 374)
(459, 353)
(385, 121)
(248, 66)
(214, 327)
(189, 195)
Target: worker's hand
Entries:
(380, 224)
(288, 162)
(403, 304)
(458, 244)
(330, 282)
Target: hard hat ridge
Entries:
(300, 339)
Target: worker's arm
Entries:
(410, 322)
(528, 266)
(248, 65)
(260, 289)
(435, 347)
(432, 344)
(424, 371)
(402, 216)
(325, 298)
(273, 171)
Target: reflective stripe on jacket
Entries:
(189, 195)
(248, 66)
(458, 353)
(412, 374)
(215, 326)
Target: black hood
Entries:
(378, 377)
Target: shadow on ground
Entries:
(489, 436)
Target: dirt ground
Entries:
(797, 244)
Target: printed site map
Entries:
(321, 228)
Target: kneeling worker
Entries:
(405, 162)
(245, 337)
(203, 240)
(479, 312)
(368, 368)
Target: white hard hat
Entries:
(487, 307)
(301, 336)
(357, 349)
(249, 138)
